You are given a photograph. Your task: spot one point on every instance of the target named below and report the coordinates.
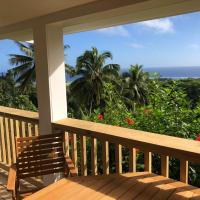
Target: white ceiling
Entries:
(18, 18)
(14, 11)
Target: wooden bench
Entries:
(38, 156)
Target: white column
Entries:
(50, 75)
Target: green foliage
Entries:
(135, 86)
(91, 72)
(114, 112)
(11, 96)
(24, 65)
(23, 102)
(192, 88)
(168, 112)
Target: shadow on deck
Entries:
(25, 185)
(4, 194)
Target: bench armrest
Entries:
(12, 176)
(70, 167)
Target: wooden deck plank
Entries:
(182, 191)
(121, 189)
(96, 186)
(151, 190)
(165, 191)
(137, 186)
(101, 191)
(129, 177)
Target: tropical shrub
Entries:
(168, 112)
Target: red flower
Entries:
(100, 117)
(129, 121)
(198, 138)
(147, 111)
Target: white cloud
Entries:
(136, 45)
(115, 31)
(160, 25)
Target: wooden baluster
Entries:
(32, 131)
(148, 161)
(36, 130)
(74, 151)
(17, 129)
(94, 156)
(29, 126)
(132, 159)
(23, 129)
(67, 144)
(105, 154)
(165, 165)
(8, 145)
(13, 148)
(83, 156)
(118, 158)
(184, 171)
(3, 140)
(1, 157)
(26, 129)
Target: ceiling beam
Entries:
(103, 13)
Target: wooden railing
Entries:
(15, 123)
(84, 138)
(166, 146)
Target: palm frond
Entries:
(19, 59)
(27, 49)
(16, 71)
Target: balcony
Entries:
(78, 134)
(97, 150)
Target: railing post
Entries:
(74, 151)
(148, 161)
(184, 171)
(36, 127)
(105, 154)
(94, 156)
(6, 126)
(165, 165)
(23, 129)
(83, 156)
(12, 132)
(16, 126)
(66, 134)
(132, 159)
(3, 140)
(30, 129)
(118, 158)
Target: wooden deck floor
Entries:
(135, 186)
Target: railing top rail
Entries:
(19, 114)
(163, 144)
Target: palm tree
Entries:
(24, 65)
(91, 72)
(135, 84)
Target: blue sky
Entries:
(173, 41)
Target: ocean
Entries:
(175, 72)
(167, 72)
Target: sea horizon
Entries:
(176, 72)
